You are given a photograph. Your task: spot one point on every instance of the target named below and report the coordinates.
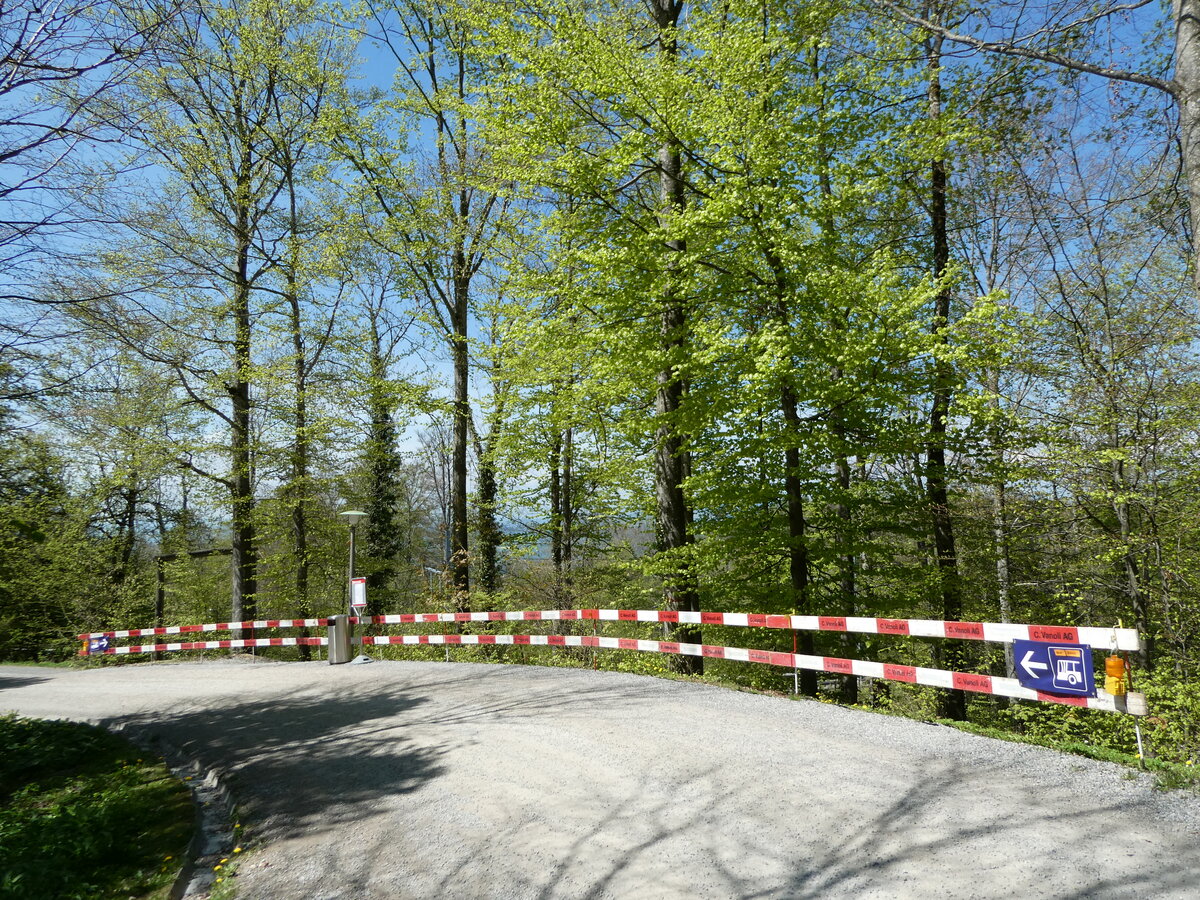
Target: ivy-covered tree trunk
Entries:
(459, 549)
(245, 555)
(300, 488)
(384, 539)
(799, 576)
(562, 517)
(490, 535)
(670, 454)
(949, 654)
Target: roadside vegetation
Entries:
(884, 309)
(85, 814)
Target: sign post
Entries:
(358, 596)
(1055, 668)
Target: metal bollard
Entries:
(339, 640)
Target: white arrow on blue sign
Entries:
(1055, 668)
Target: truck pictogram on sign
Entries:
(1055, 668)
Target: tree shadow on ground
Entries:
(10, 680)
(493, 700)
(304, 762)
(314, 760)
(906, 849)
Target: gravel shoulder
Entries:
(408, 779)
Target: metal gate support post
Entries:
(339, 640)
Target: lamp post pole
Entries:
(353, 517)
(341, 632)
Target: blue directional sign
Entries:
(1055, 668)
(98, 645)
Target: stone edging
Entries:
(213, 834)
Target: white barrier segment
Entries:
(926, 628)
(1004, 632)
(935, 677)
(868, 669)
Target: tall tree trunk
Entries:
(1186, 82)
(300, 455)
(567, 508)
(1130, 567)
(383, 536)
(949, 653)
(556, 524)
(561, 514)
(1000, 521)
(798, 564)
(126, 531)
(300, 437)
(670, 459)
(245, 557)
(847, 563)
(490, 535)
(459, 559)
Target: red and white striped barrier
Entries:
(212, 645)
(996, 632)
(1104, 638)
(213, 626)
(963, 681)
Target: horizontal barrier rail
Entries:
(1111, 638)
(233, 643)
(213, 626)
(994, 632)
(942, 678)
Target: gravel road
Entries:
(406, 779)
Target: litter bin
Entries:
(339, 640)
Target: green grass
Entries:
(84, 814)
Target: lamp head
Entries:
(353, 516)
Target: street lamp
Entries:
(353, 517)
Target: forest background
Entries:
(818, 307)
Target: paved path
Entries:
(395, 780)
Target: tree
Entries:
(213, 114)
(59, 64)
(1062, 39)
(441, 218)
